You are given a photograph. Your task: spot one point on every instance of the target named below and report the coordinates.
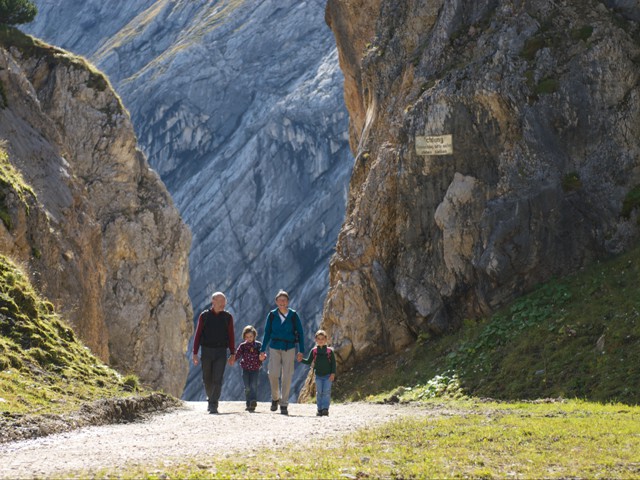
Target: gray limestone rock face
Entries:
(542, 101)
(239, 107)
(100, 236)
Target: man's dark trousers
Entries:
(213, 362)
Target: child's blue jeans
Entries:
(323, 391)
(250, 379)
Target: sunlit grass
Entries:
(208, 19)
(44, 368)
(449, 439)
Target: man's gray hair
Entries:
(217, 294)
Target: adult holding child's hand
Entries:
(282, 332)
(214, 335)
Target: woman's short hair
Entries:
(282, 293)
(249, 329)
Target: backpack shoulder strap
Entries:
(270, 321)
(294, 314)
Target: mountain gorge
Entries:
(496, 147)
(238, 105)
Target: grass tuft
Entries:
(571, 182)
(582, 33)
(547, 86)
(631, 201)
(131, 383)
(11, 181)
(4, 102)
(531, 47)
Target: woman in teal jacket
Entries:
(282, 332)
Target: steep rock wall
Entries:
(101, 238)
(238, 105)
(542, 101)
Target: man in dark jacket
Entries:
(214, 334)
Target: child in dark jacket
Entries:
(323, 361)
(248, 354)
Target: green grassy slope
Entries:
(44, 368)
(576, 337)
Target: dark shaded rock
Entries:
(542, 101)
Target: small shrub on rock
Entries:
(13, 12)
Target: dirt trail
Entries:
(187, 432)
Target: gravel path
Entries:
(184, 433)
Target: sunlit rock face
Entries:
(101, 237)
(239, 106)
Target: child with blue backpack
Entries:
(323, 362)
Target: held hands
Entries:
(232, 360)
(196, 360)
(299, 356)
(262, 356)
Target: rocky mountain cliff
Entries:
(96, 228)
(496, 146)
(239, 107)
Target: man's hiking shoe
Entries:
(274, 405)
(325, 412)
(213, 411)
(319, 413)
(283, 410)
(253, 405)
